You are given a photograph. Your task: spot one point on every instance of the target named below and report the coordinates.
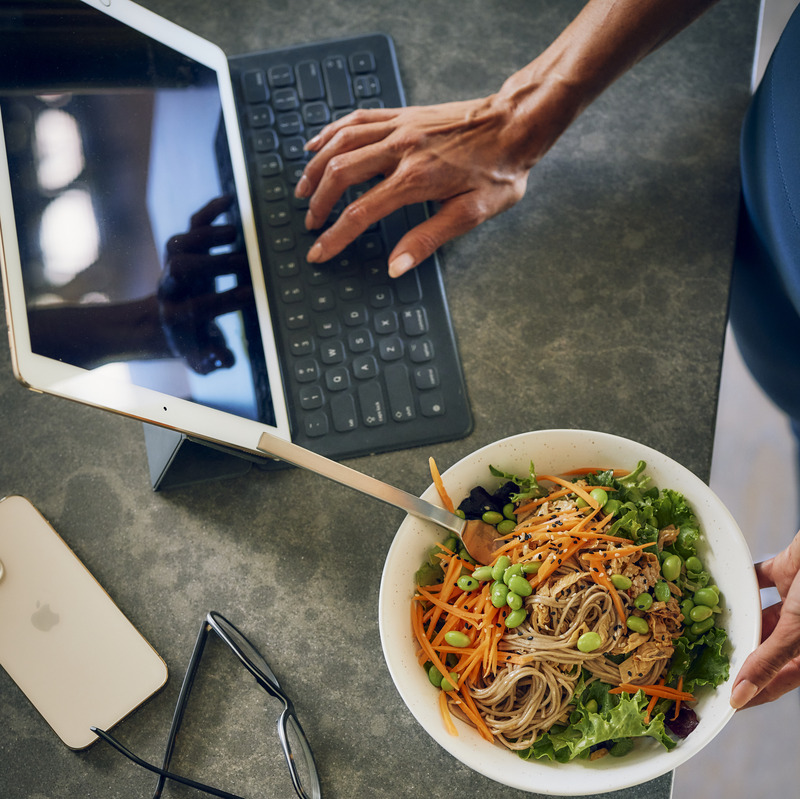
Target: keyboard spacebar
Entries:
(398, 387)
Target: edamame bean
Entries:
(532, 567)
(449, 683)
(588, 642)
(700, 627)
(514, 568)
(694, 564)
(451, 543)
(508, 511)
(638, 625)
(706, 596)
(506, 526)
(516, 617)
(499, 594)
(700, 613)
(435, 676)
(457, 638)
(467, 582)
(591, 706)
(482, 573)
(671, 567)
(519, 585)
(612, 506)
(661, 591)
(580, 502)
(686, 606)
(621, 582)
(503, 562)
(513, 600)
(599, 495)
(492, 517)
(644, 601)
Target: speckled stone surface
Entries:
(598, 302)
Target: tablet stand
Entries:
(176, 460)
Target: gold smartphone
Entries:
(63, 641)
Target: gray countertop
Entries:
(599, 302)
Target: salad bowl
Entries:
(723, 550)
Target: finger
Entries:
(455, 217)
(210, 306)
(763, 665)
(209, 212)
(787, 679)
(349, 141)
(361, 116)
(372, 206)
(202, 238)
(344, 171)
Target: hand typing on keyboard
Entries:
(473, 158)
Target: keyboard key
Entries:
(373, 405)
(269, 165)
(359, 341)
(332, 352)
(355, 315)
(306, 371)
(432, 404)
(415, 321)
(265, 140)
(296, 320)
(343, 413)
(365, 367)
(316, 424)
(292, 148)
(282, 242)
(385, 322)
(391, 348)
(362, 62)
(285, 100)
(293, 292)
(316, 113)
(426, 377)
(274, 189)
(260, 116)
(421, 350)
(328, 326)
(311, 397)
(309, 81)
(278, 215)
(337, 379)
(408, 287)
(254, 86)
(398, 386)
(366, 86)
(287, 266)
(337, 81)
(289, 123)
(280, 75)
(301, 344)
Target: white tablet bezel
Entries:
(54, 377)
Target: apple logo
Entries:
(44, 618)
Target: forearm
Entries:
(604, 41)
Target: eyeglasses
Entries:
(296, 750)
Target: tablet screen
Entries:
(128, 228)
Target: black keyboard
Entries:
(370, 363)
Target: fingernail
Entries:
(401, 264)
(742, 693)
(311, 143)
(302, 188)
(315, 253)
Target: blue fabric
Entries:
(765, 291)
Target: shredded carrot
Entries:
(446, 717)
(576, 489)
(620, 552)
(439, 483)
(678, 701)
(652, 703)
(599, 575)
(662, 691)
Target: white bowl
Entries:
(725, 554)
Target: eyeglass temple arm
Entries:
(163, 773)
(180, 705)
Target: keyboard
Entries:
(370, 363)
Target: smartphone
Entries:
(63, 641)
